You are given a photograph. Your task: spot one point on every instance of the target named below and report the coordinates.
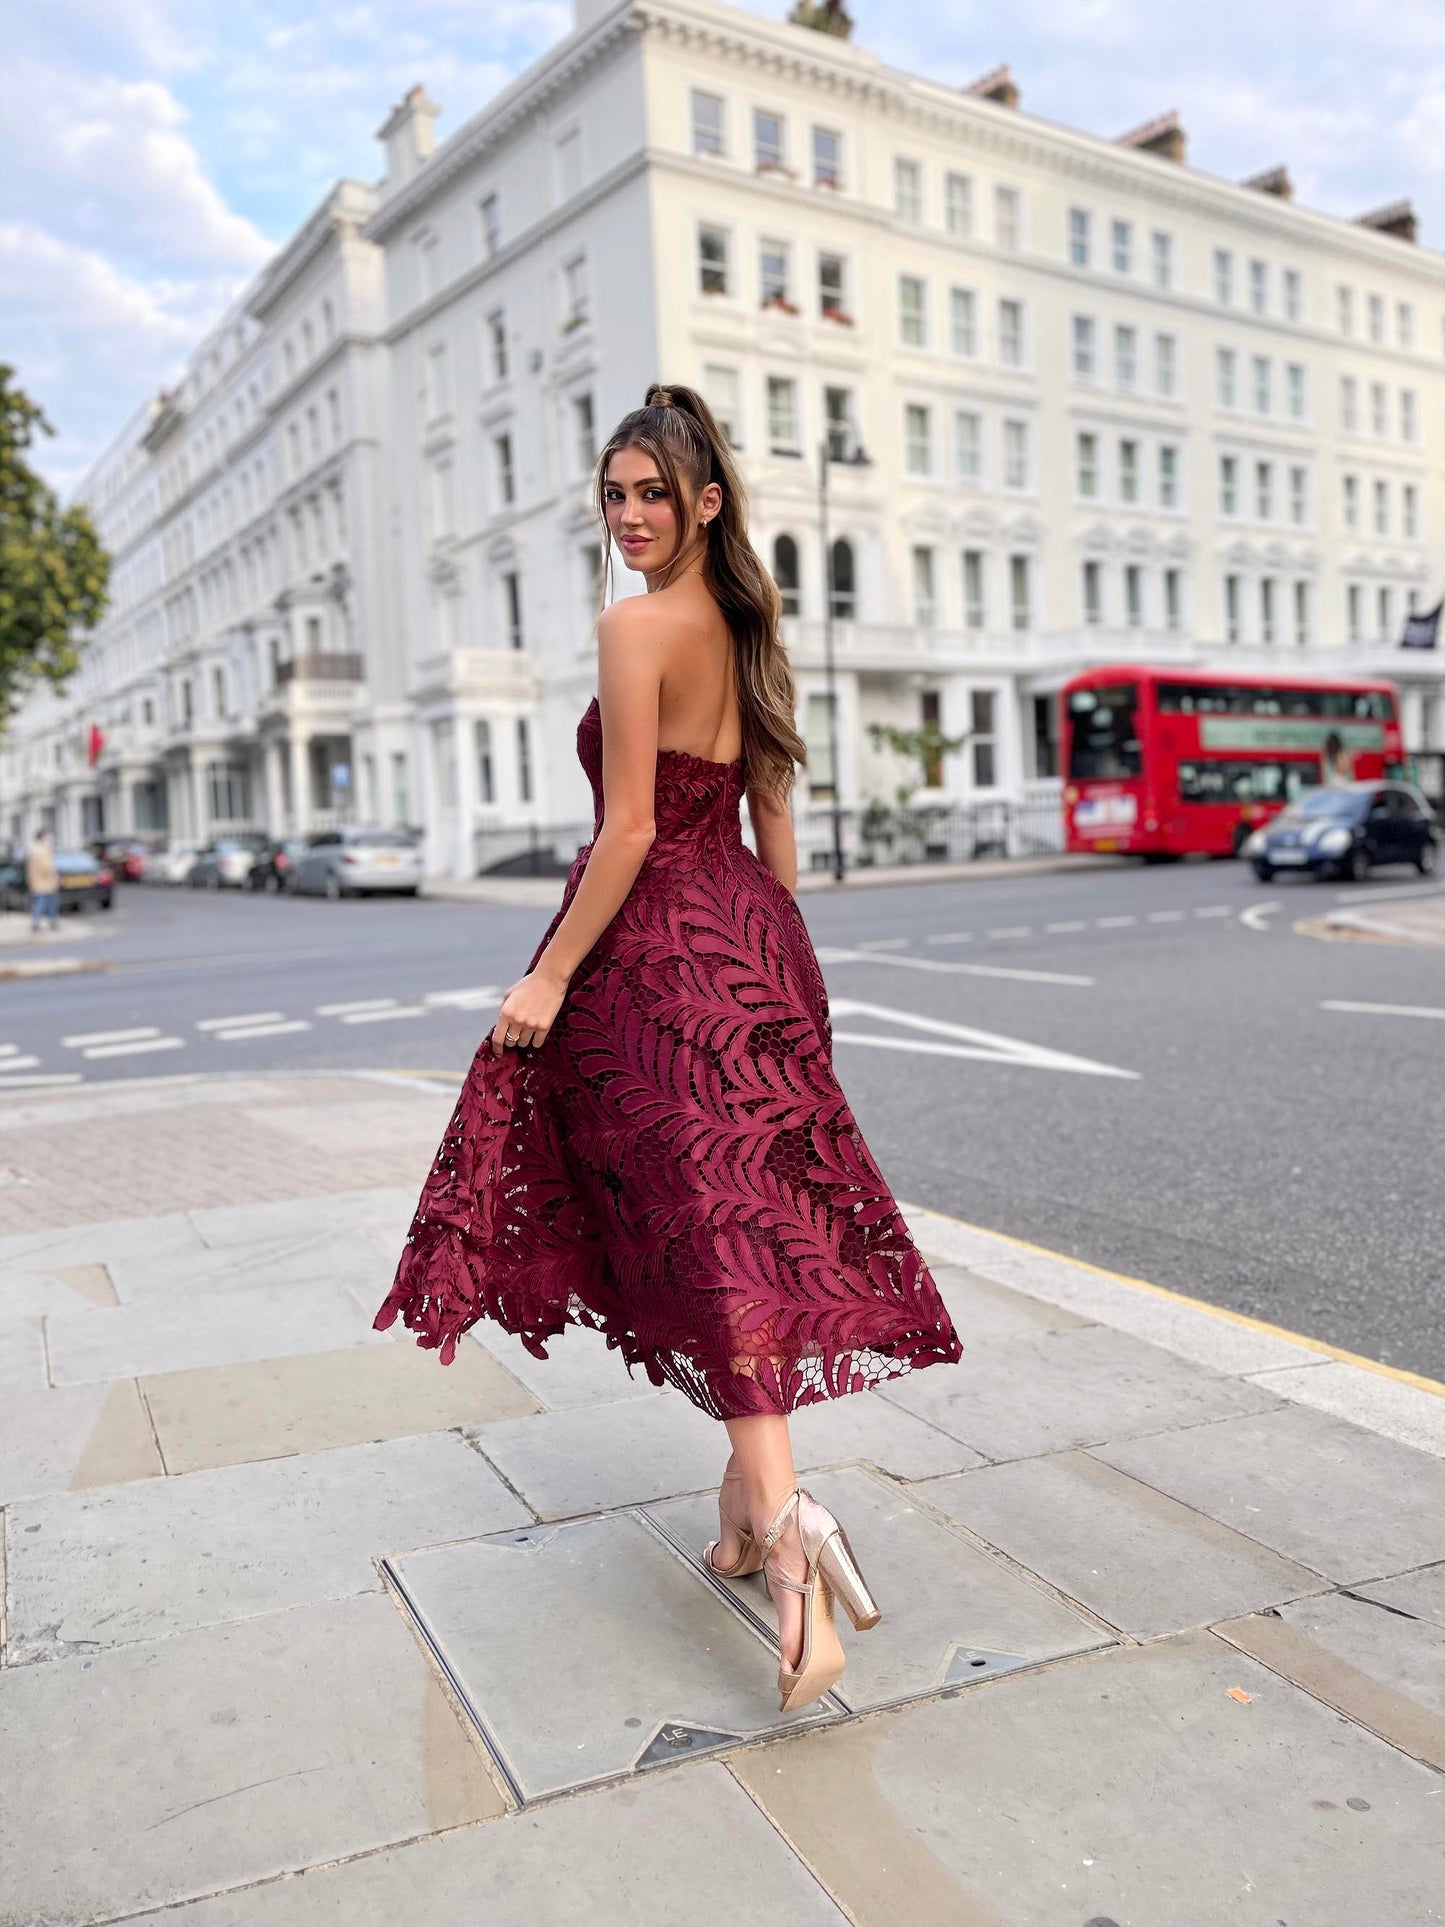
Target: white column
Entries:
(271, 754)
(464, 860)
(300, 782)
(200, 821)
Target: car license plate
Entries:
(1279, 857)
(386, 862)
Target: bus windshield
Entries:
(1104, 737)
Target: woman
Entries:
(655, 1144)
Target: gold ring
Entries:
(512, 1036)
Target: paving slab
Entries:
(313, 1402)
(1374, 1662)
(669, 1847)
(22, 1357)
(952, 1613)
(1141, 1560)
(1421, 1593)
(591, 1651)
(387, 1209)
(97, 1243)
(135, 1562)
(138, 1778)
(986, 1312)
(579, 1368)
(1330, 1495)
(226, 1325)
(33, 1293)
(264, 1261)
(75, 1436)
(1125, 1787)
(1408, 1413)
(1043, 1394)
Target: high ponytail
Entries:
(679, 431)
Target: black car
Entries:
(275, 865)
(1346, 831)
(85, 882)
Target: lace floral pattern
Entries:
(676, 1166)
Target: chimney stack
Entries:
(1164, 137)
(1397, 219)
(1274, 180)
(408, 136)
(996, 86)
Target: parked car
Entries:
(172, 864)
(226, 863)
(1346, 831)
(124, 855)
(85, 883)
(276, 864)
(355, 862)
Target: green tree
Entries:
(53, 571)
(926, 746)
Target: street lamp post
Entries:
(856, 459)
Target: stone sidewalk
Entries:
(300, 1627)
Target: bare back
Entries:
(697, 702)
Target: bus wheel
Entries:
(1264, 871)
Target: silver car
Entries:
(354, 862)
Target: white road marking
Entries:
(884, 943)
(79, 1041)
(362, 1003)
(1216, 910)
(1386, 1010)
(1057, 929)
(1384, 896)
(1166, 916)
(383, 1016)
(8, 1050)
(38, 1083)
(12, 1063)
(1016, 930)
(136, 1049)
(464, 999)
(1252, 917)
(1113, 923)
(262, 1030)
(229, 1023)
(952, 969)
(983, 1046)
(951, 936)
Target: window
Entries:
(1134, 595)
(482, 752)
(1161, 254)
(1404, 325)
(1259, 287)
(1262, 398)
(443, 500)
(1020, 578)
(524, 761)
(328, 321)
(333, 423)
(918, 438)
(1126, 358)
(1128, 471)
(1166, 364)
(1354, 622)
(843, 589)
(1084, 350)
(707, 123)
(503, 469)
(584, 433)
(968, 447)
(1381, 496)
(1375, 318)
(1410, 512)
(1379, 409)
(593, 581)
(400, 788)
(782, 394)
(982, 732)
(218, 692)
(838, 413)
(1349, 404)
(512, 610)
(832, 287)
(1267, 600)
(958, 203)
(1008, 218)
(774, 275)
(1264, 491)
(1223, 276)
(769, 149)
(1093, 578)
(1299, 500)
(1295, 387)
(1078, 237)
(1294, 299)
(491, 212)
(1011, 333)
(567, 168)
(1226, 379)
(908, 191)
(497, 345)
(1232, 603)
(925, 599)
(819, 733)
(827, 158)
(1382, 611)
(975, 612)
(713, 245)
(1168, 476)
(1015, 455)
(436, 382)
(1302, 614)
(1345, 310)
(1121, 234)
(1350, 501)
(1086, 466)
(912, 311)
(963, 321)
(720, 385)
(1173, 599)
(574, 291)
(785, 574)
(1407, 415)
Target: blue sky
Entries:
(154, 151)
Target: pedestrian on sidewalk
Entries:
(653, 1142)
(42, 880)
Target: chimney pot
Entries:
(998, 85)
(1162, 136)
(408, 136)
(1397, 219)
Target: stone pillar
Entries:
(271, 754)
(464, 860)
(299, 748)
(196, 800)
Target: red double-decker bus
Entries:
(1176, 762)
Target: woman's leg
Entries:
(763, 1455)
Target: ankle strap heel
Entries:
(845, 1579)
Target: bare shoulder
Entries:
(631, 619)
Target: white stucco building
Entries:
(1112, 409)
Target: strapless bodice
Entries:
(694, 800)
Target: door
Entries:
(1380, 829)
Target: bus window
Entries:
(1222, 781)
(1104, 739)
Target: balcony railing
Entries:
(321, 668)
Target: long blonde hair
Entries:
(679, 431)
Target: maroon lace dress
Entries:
(676, 1166)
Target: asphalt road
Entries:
(1139, 1067)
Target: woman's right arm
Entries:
(772, 822)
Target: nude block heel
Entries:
(832, 1572)
(841, 1571)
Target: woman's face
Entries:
(643, 517)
